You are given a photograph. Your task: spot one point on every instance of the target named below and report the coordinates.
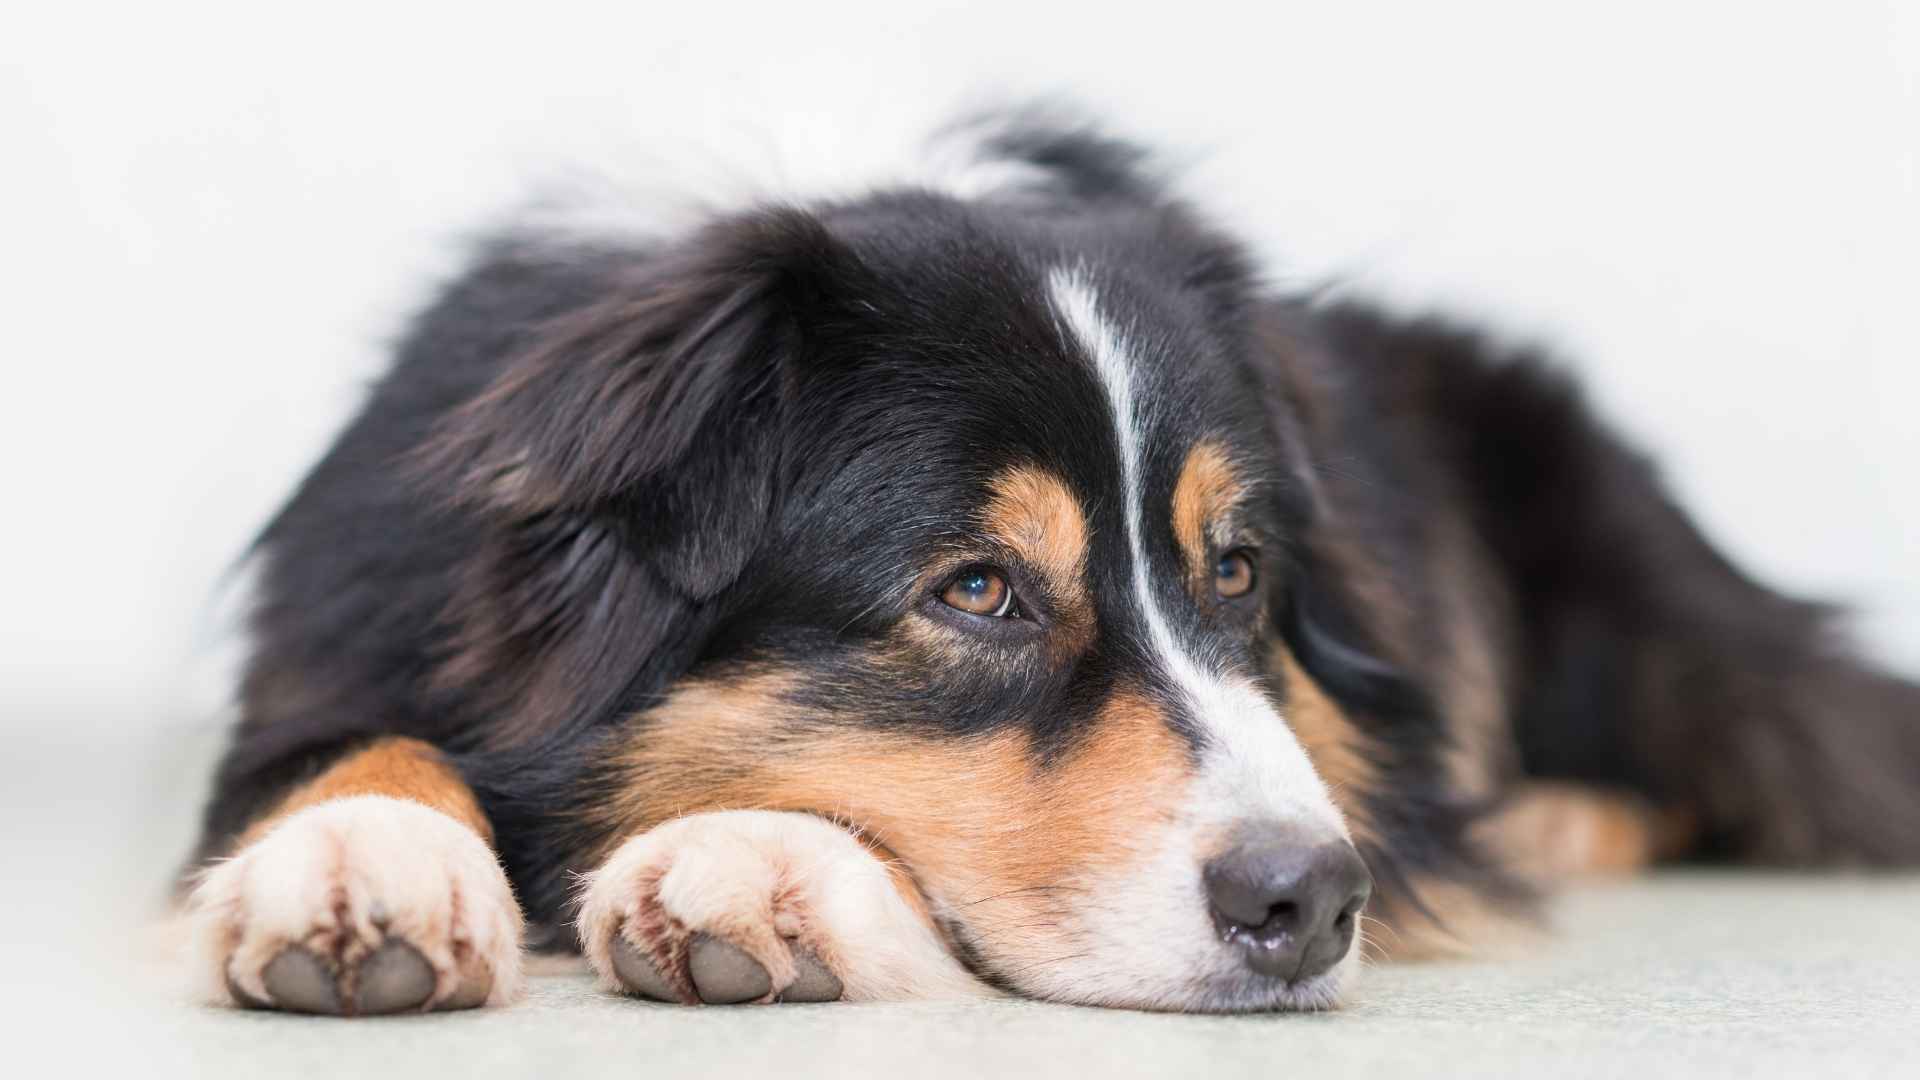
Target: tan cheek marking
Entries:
(1205, 492)
(1033, 512)
(973, 819)
(397, 767)
(1335, 745)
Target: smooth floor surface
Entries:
(1696, 975)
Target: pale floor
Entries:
(1696, 975)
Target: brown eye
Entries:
(1233, 575)
(980, 590)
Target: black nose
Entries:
(1288, 905)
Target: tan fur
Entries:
(1476, 612)
(1203, 497)
(1554, 831)
(971, 818)
(1033, 512)
(1548, 833)
(1337, 748)
(396, 767)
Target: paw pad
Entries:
(393, 978)
(723, 974)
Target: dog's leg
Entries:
(761, 906)
(1550, 831)
(371, 889)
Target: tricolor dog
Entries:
(983, 586)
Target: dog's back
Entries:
(1548, 568)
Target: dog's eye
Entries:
(1233, 575)
(980, 590)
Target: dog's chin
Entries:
(1253, 993)
(1212, 992)
(1249, 994)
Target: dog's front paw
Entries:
(760, 906)
(359, 906)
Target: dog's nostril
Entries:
(1344, 923)
(1290, 905)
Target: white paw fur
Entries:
(785, 889)
(354, 882)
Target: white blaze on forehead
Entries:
(1259, 768)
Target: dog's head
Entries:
(977, 520)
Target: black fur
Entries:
(1644, 660)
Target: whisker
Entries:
(1368, 923)
(1021, 892)
(1024, 968)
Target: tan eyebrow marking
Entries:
(1033, 512)
(1206, 490)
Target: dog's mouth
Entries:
(1203, 991)
(1318, 993)
(965, 946)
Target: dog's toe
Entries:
(394, 979)
(723, 974)
(638, 974)
(299, 981)
(812, 980)
(240, 995)
(473, 992)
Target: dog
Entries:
(980, 586)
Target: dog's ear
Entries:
(1323, 627)
(654, 409)
(1335, 615)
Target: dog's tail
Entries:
(1648, 660)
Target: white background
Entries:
(214, 219)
